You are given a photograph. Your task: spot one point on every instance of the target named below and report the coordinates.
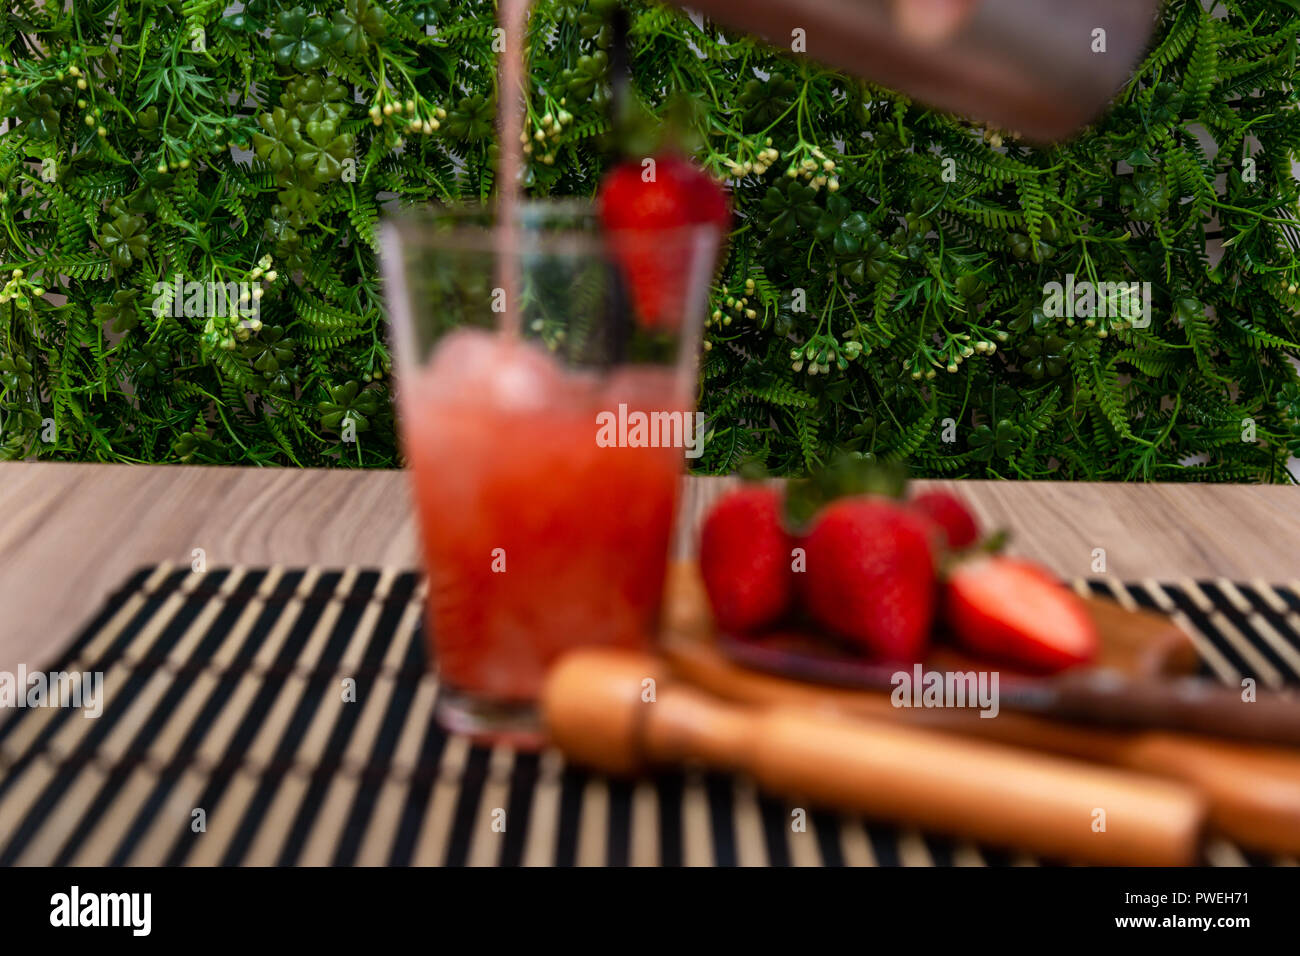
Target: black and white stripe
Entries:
(223, 691)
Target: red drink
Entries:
(538, 537)
(546, 431)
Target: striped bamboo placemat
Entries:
(223, 692)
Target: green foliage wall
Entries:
(869, 303)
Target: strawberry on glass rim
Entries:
(641, 201)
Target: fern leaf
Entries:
(988, 215)
(781, 393)
(881, 298)
(1174, 43)
(1201, 66)
(85, 267)
(101, 186)
(365, 220)
(806, 430)
(319, 315)
(325, 341)
(1032, 202)
(73, 230)
(1110, 396)
(1261, 339)
(912, 437)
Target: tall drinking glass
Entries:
(545, 393)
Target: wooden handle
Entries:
(1186, 705)
(619, 711)
(1253, 791)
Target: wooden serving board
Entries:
(1253, 790)
(1136, 643)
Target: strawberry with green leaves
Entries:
(870, 576)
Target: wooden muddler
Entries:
(602, 710)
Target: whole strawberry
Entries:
(951, 515)
(644, 207)
(745, 559)
(870, 576)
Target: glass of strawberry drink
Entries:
(545, 406)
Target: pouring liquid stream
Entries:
(512, 16)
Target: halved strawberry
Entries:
(1013, 610)
(745, 559)
(870, 576)
(644, 207)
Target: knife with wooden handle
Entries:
(620, 712)
(1094, 695)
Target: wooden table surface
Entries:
(69, 533)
